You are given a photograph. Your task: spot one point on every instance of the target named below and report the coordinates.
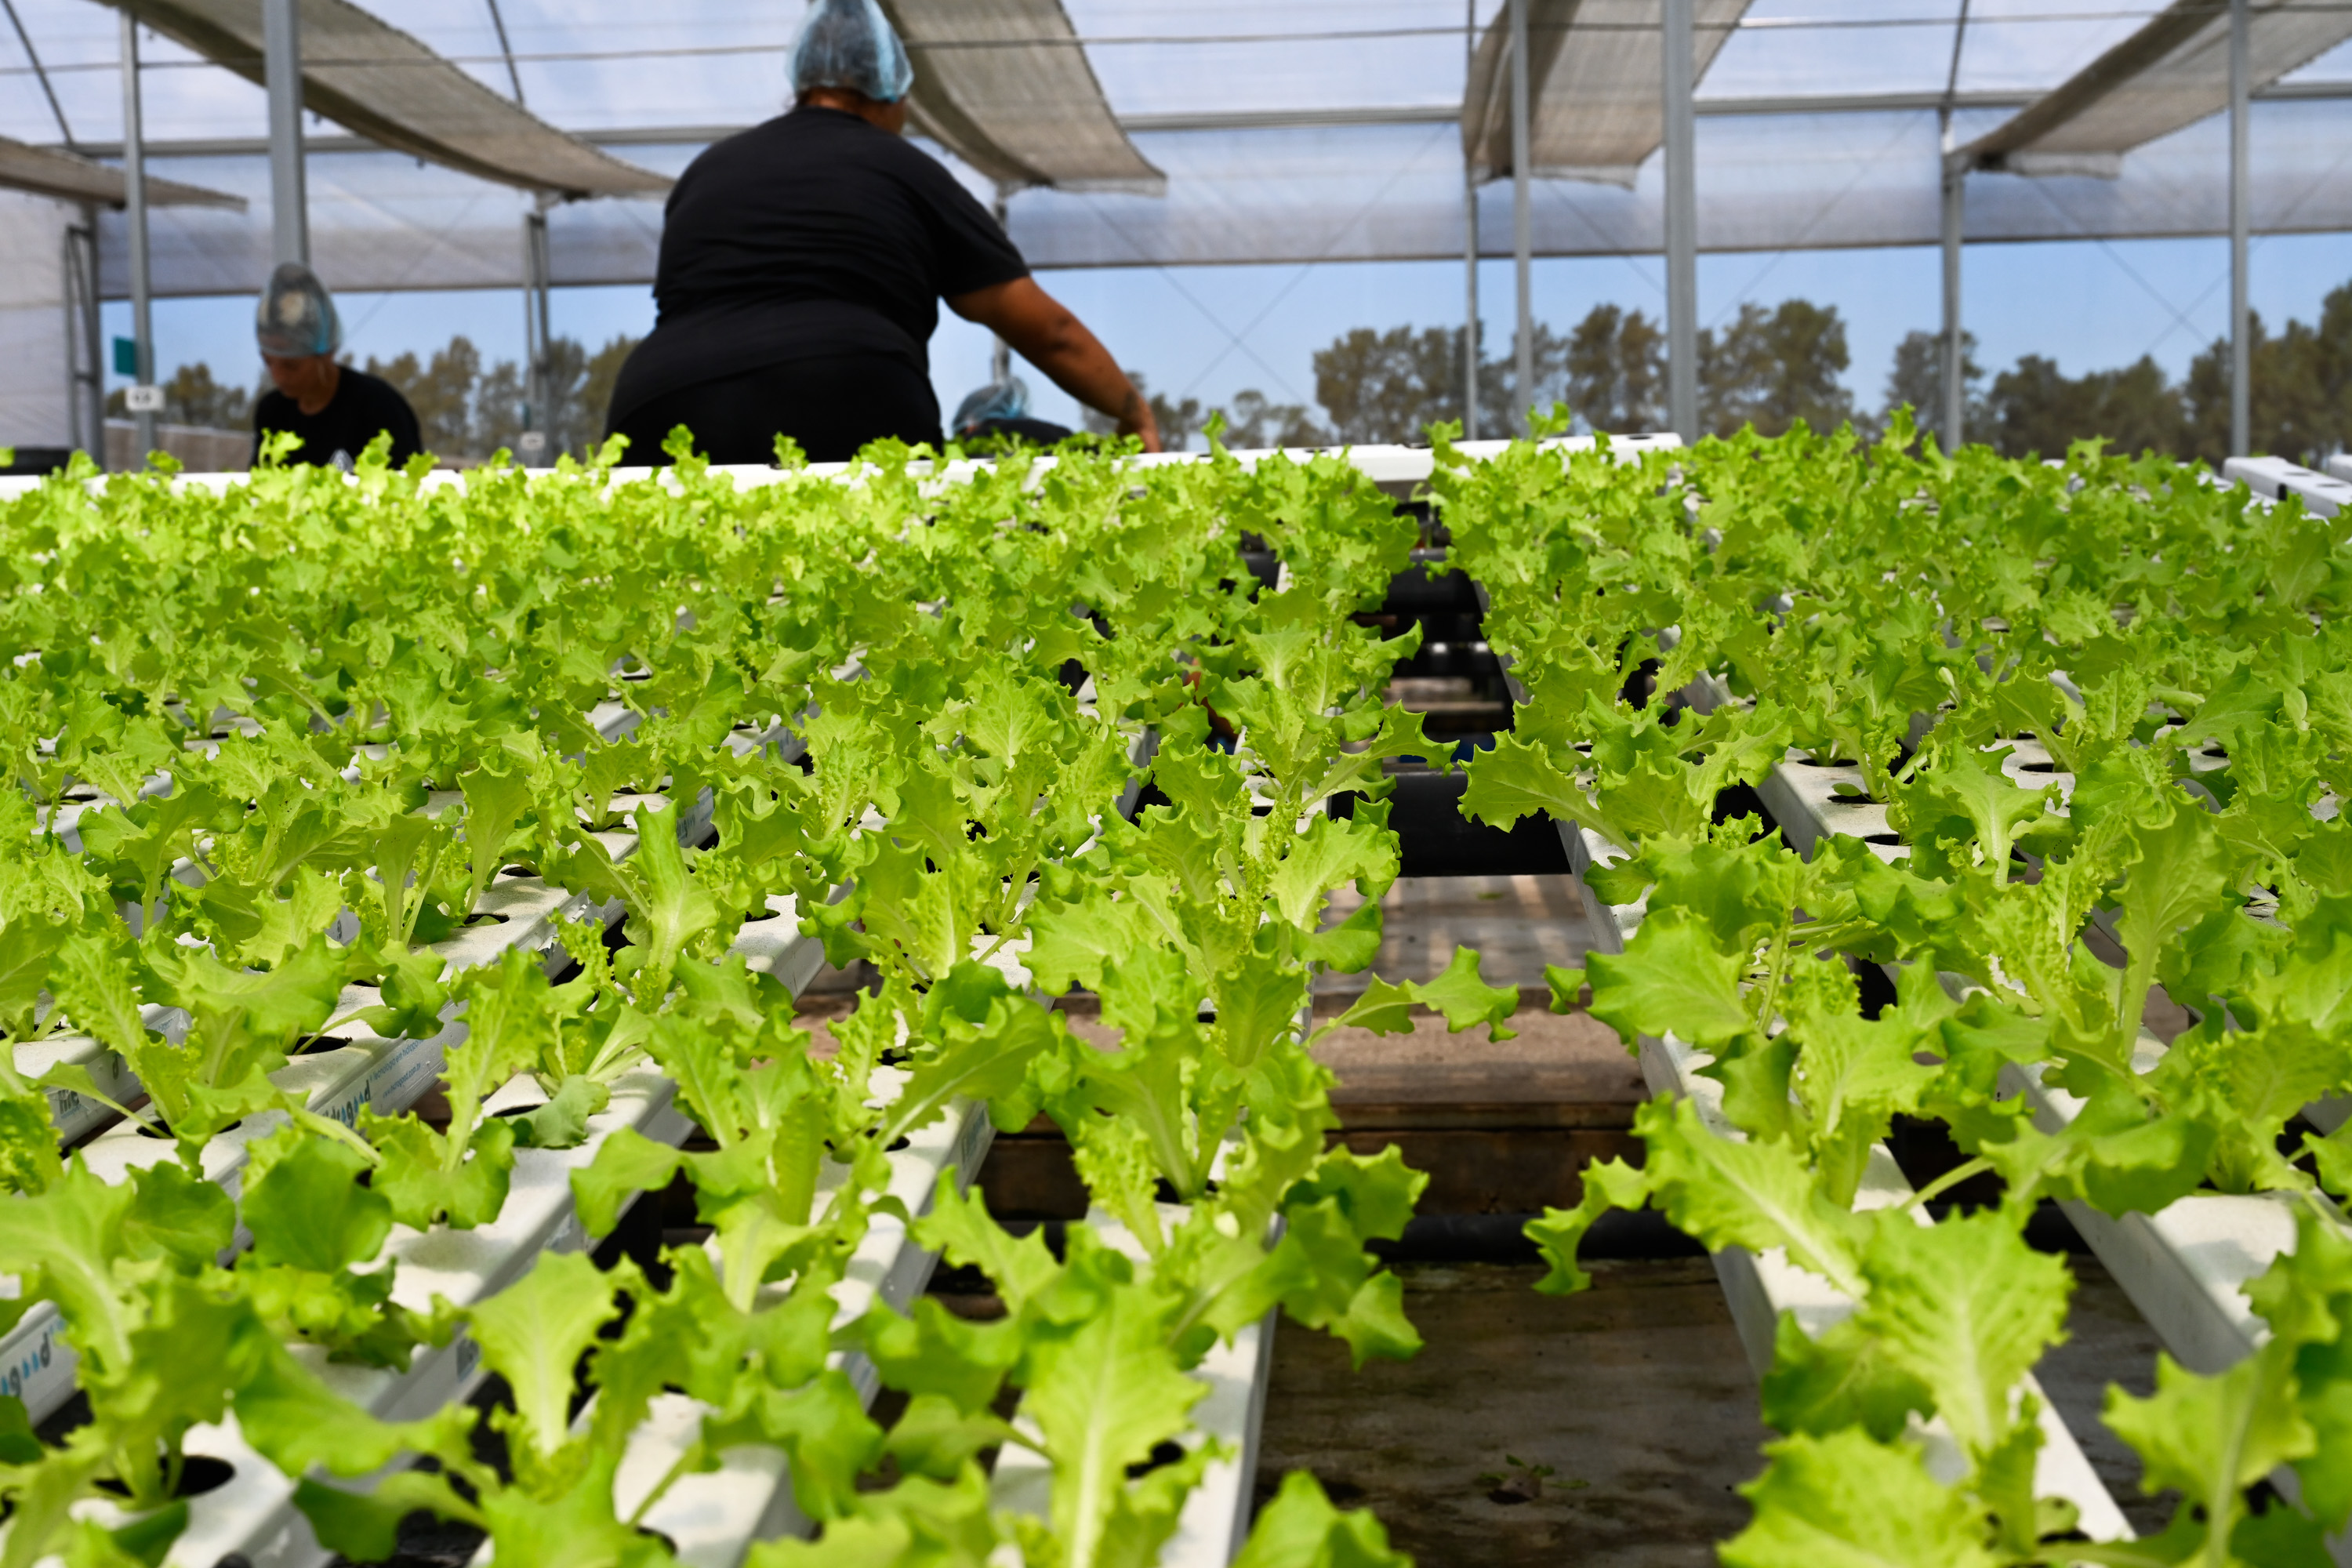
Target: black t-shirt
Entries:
(814, 234)
(336, 435)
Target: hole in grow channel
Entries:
(2037, 767)
(756, 917)
(517, 870)
(1894, 838)
(1164, 1190)
(1166, 1451)
(199, 1473)
(480, 919)
(1817, 762)
(312, 1048)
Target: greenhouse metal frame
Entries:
(1579, 107)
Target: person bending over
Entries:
(801, 269)
(335, 410)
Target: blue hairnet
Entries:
(1006, 399)
(296, 318)
(849, 43)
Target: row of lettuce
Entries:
(340, 708)
(2176, 648)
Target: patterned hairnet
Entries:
(1006, 399)
(297, 318)
(849, 43)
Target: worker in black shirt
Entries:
(802, 266)
(336, 410)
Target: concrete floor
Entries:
(2108, 1342)
(1636, 1393)
(1518, 924)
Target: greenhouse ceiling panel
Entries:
(1318, 131)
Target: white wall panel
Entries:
(34, 411)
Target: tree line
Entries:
(1770, 368)
(1766, 367)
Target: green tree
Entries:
(1918, 381)
(2301, 402)
(468, 409)
(441, 391)
(500, 397)
(2037, 409)
(192, 397)
(1771, 368)
(1178, 421)
(603, 370)
(1616, 370)
(1391, 386)
(1255, 420)
(1499, 390)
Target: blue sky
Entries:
(1211, 332)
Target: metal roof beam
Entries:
(33, 58)
(2172, 72)
(506, 49)
(1242, 120)
(1007, 86)
(373, 79)
(1594, 66)
(50, 172)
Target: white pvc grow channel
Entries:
(2184, 1267)
(386, 1075)
(1759, 1287)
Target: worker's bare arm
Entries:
(1041, 331)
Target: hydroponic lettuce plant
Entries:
(274, 786)
(1923, 615)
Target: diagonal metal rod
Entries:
(506, 49)
(64, 131)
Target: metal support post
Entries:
(1469, 245)
(539, 392)
(1000, 353)
(2242, 344)
(289, 197)
(1682, 224)
(1469, 304)
(134, 187)
(1951, 428)
(85, 367)
(1522, 224)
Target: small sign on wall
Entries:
(143, 399)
